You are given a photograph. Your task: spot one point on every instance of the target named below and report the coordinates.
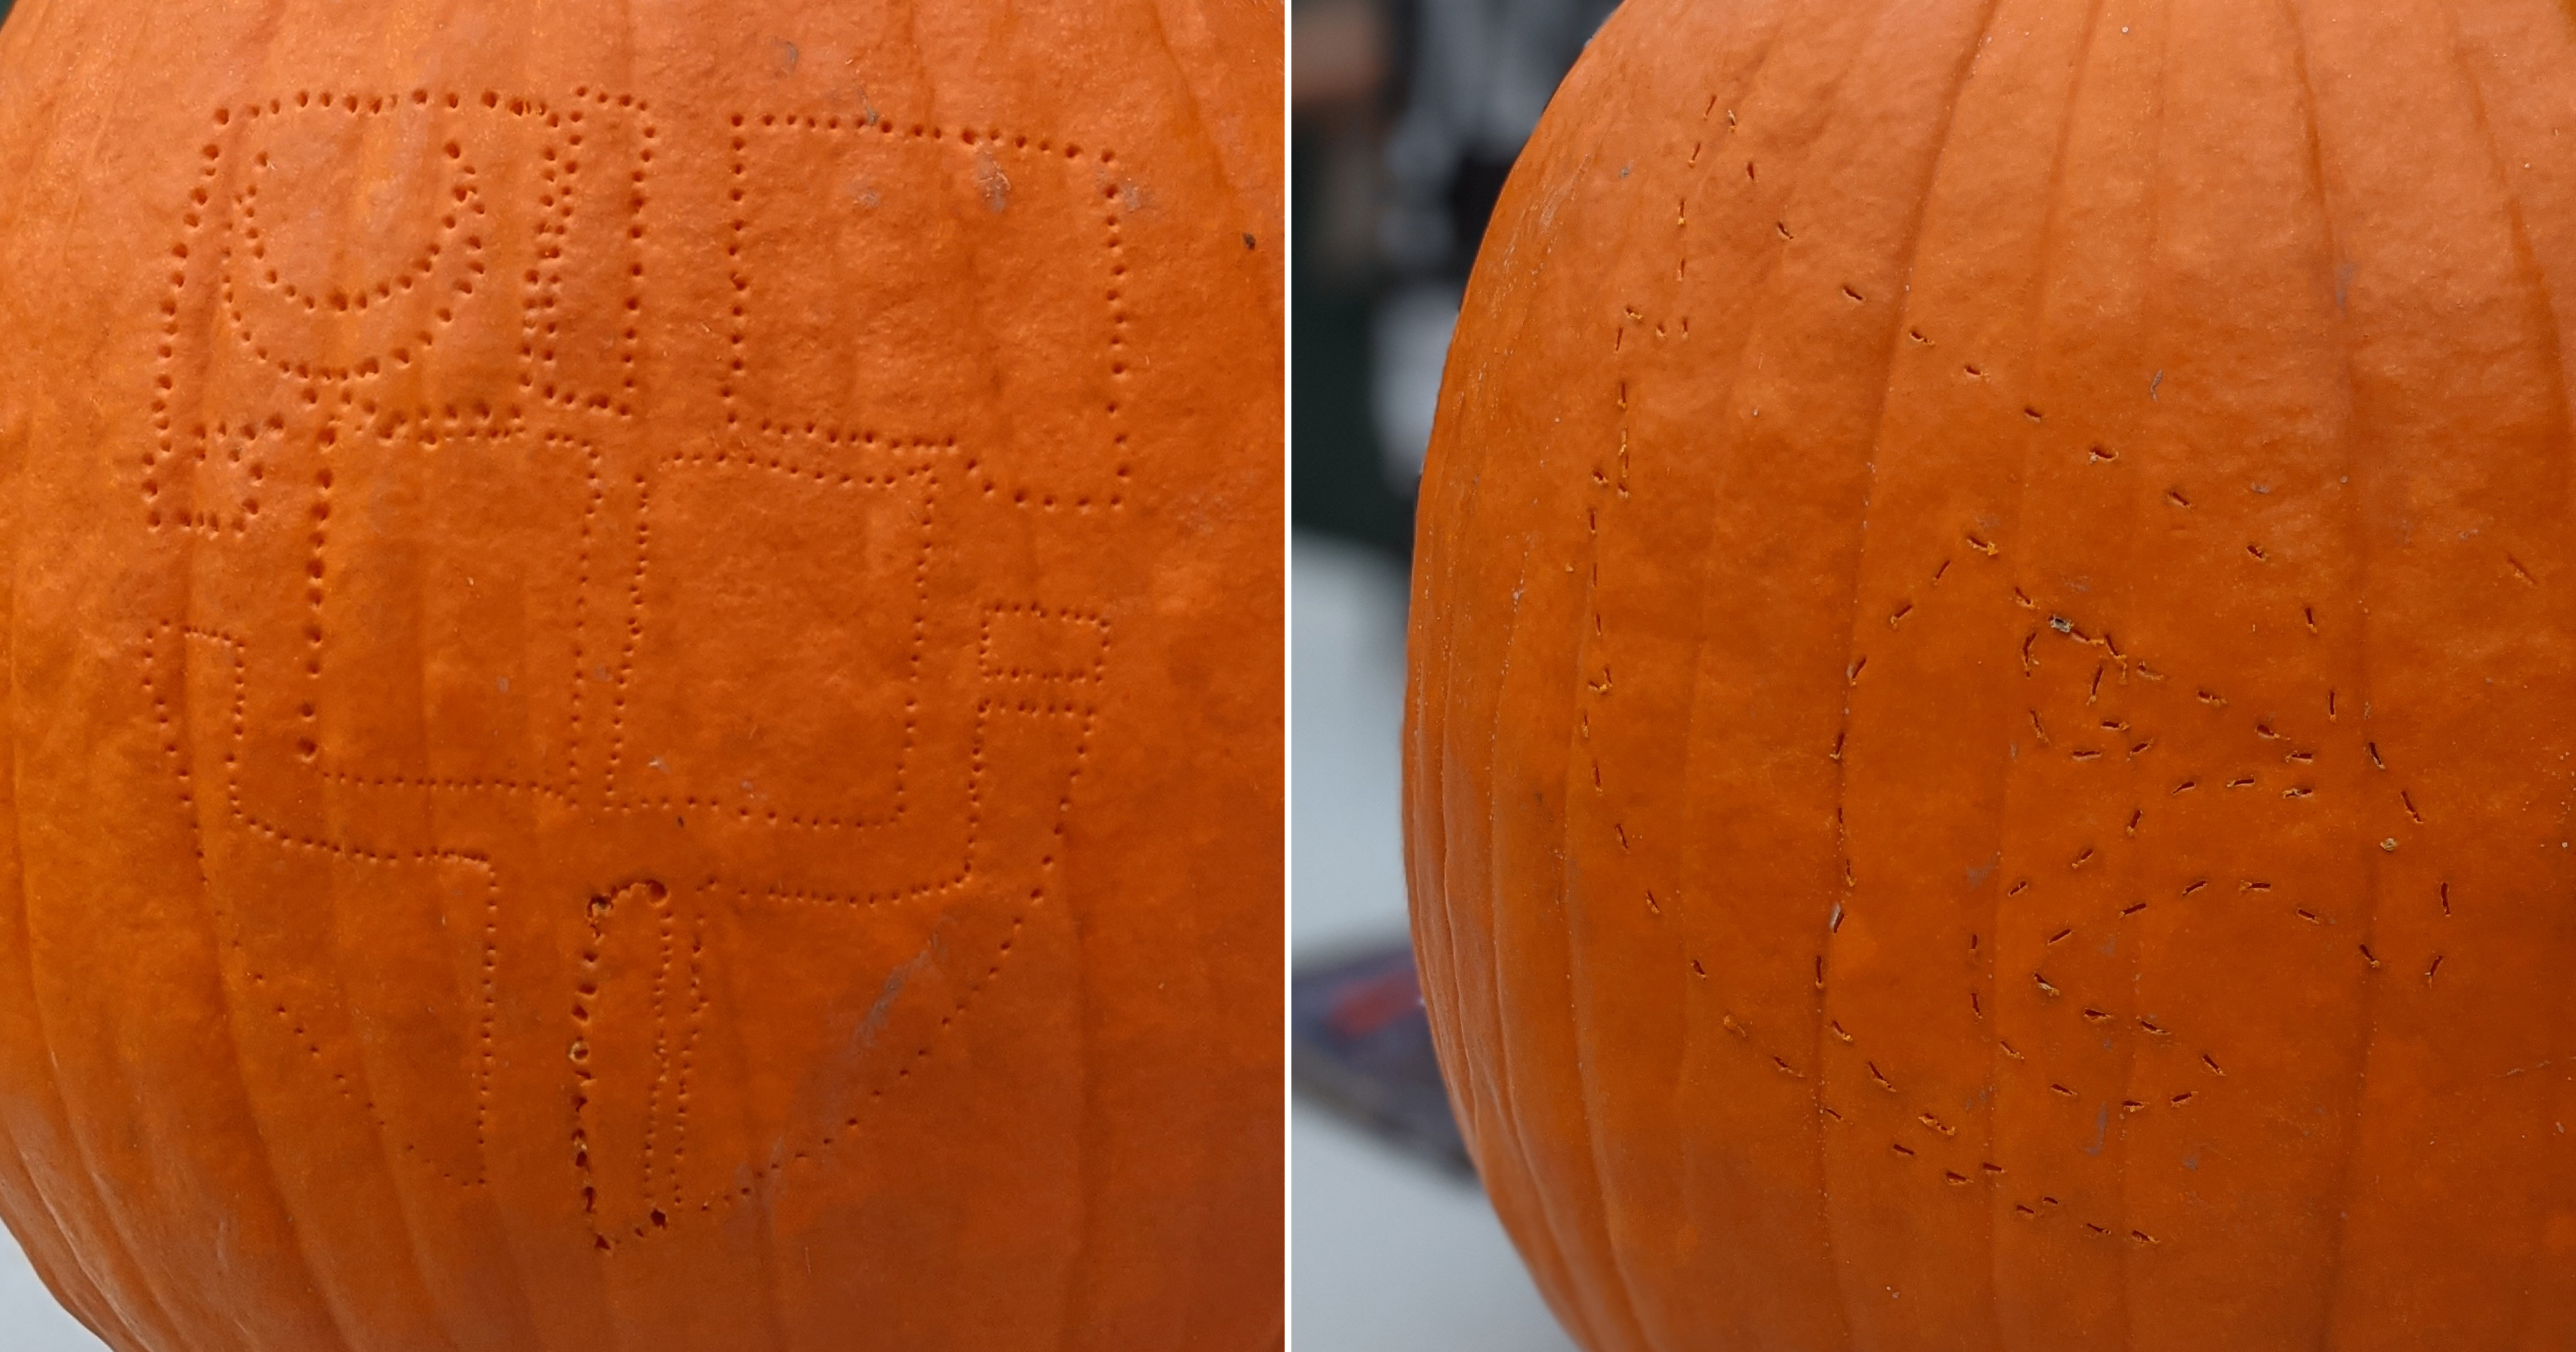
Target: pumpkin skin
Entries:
(1988, 743)
(646, 700)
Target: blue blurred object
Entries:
(1361, 1043)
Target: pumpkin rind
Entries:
(645, 702)
(1987, 752)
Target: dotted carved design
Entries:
(2143, 739)
(462, 428)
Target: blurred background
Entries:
(1406, 116)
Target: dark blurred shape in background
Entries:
(1407, 115)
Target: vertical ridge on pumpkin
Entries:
(105, 1221)
(1495, 1131)
(2537, 173)
(2059, 376)
(1571, 933)
(2317, 187)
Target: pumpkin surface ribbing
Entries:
(1988, 750)
(644, 651)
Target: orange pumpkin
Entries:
(644, 674)
(1990, 738)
